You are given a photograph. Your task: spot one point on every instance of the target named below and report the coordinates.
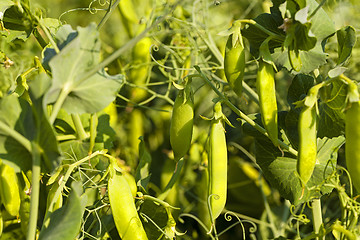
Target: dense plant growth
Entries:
(155, 119)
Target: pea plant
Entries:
(169, 119)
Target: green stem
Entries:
(80, 132)
(107, 14)
(35, 190)
(93, 132)
(317, 216)
(349, 235)
(58, 104)
(15, 135)
(241, 114)
(246, 88)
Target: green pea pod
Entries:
(217, 163)
(234, 63)
(132, 184)
(265, 84)
(181, 126)
(9, 190)
(307, 143)
(352, 147)
(123, 207)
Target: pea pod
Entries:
(234, 62)
(217, 163)
(307, 143)
(181, 126)
(265, 84)
(9, 189)
(352, 134)
(123, 208)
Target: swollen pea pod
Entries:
(217, 163)
(352, 134)
(234, 62)
(181, 126)
(123, 207)
(307, 136)
(265, 84)
(9, 189)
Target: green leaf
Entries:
(65, 222)
(44, 135)
(256, 36)
(332, 117)
(346, 38)
(142, 175)
(31, 123)
(157, 213)
(281, 171)
(14, 19)
(299, 88)
(310, 60)
(68, 68)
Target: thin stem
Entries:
(58, 104)
(35, 190)
(80, 132)
(242, 115)
(317, 216)
(64, 180)
(107, 15)
(15, 135)
(246, 88)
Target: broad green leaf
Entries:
(65, 222)
(346, 38)
(256, 36)
(68, 68)
(31, 123)
(280, 170)
(311, 60)
(14, 19)
(157, 213)
(44, 135)
(322, 25)
(332, 117)
(299, 88)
